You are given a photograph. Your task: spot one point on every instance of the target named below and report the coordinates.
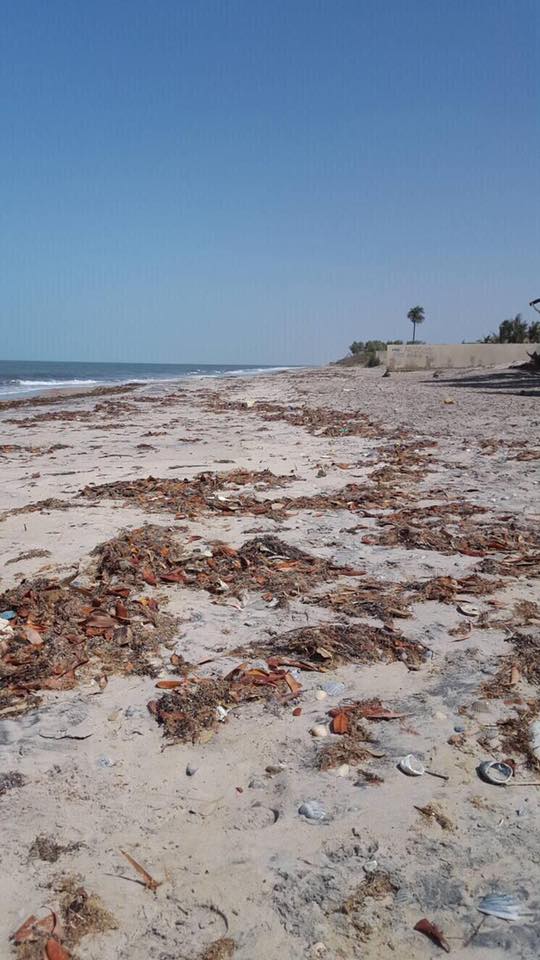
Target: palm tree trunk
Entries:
(413, 332)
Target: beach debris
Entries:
(377, 885)
(505, 906)
(11, 780)
(468, 609)
(332, 688)
(54, 935)
(343, 770)
(264, 564)
(433, 932)
(495, 772)
(312, 810)
(332, 644)
(8, 615)
(534, 737)
(33, 929)
(412, 766)
(147, 880)
(222, 949)
(351, 747)
(319, 730)
(191, 770)
(432, 812)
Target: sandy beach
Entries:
(234, 606)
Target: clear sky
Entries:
(264, 180)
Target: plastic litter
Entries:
(8, 615)
(495, 772)
(333, 688)
(312, 810)
(191, 770)
(502, 905)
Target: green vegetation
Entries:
(367, 351)
(416, 315)
(515, 330)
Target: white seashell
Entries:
(343, 770)
(312, 810)
(469, 609)
(502, 905)
(496, 773)
(411, 765)
(321, 695)
(319, 730)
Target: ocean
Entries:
(26, 377)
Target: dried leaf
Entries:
(293, 685)
(149, 881)
(297, 712)
(340, 723)
(149, 577)
(32, 927)
(169, 684)
(55, 951)
(515, 675)
(433, 932)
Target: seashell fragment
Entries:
(411, 765)
(495, 772)
(319, 730)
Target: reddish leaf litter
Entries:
(369, 598)
(463, 536)
(150, 555)
(108, 408)
(192, 711)
(51, 399)
(60, 630)
(188, 498)
(348, 721)
(215, 493)
(433, 932)
(7, 448)
(55, 935)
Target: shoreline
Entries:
(284, 547)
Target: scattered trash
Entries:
(8, 615)
(433, 932)
(222, 713)
(312, 810)
(412, 766)
(505, 906)
(371, 866)
(495, 772)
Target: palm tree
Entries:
(416, 315)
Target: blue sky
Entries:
(264, 180)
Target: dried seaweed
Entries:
(60, 628)
(331, 644)
(266, 564)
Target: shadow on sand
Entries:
(515, 380)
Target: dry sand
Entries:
(242, 873)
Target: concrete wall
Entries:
(433, 356)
